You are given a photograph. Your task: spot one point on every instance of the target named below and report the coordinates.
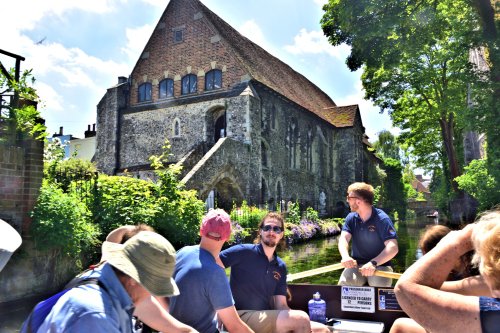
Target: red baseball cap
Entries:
(216, 225)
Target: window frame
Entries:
(144, 94)
(211, 78)
(190, 84)
(166, 81)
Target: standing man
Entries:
(203, 283)
(133, 271)
(374, 240)
(258, 283)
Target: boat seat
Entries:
(356, 326)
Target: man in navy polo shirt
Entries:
(374, 240)
(204, 289)
(258, 283)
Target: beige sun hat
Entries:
(10, 240)
(148, 258)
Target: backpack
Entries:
(43, 308)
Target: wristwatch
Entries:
(374, 263)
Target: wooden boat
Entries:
(383, 303)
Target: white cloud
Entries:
(321, 2)
(252, 31)
(25, 14)
(373, 120)
(157, 3)
(50, 98)
(315, 42)
(136, 40)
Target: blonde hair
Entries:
(486, 241)
(363, 190)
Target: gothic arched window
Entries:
(166, 88)
(213, 79)
(189, 84)
(144, 92)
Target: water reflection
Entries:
(318, 253)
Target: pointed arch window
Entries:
(263, 152)
(293, 139)
(309, 144)
(213, 79)
(166, 88)
(273, 117)
(177, 128)
(189, 84)
(144, 92)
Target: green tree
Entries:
(393, 194)
(24, 117)
(415, 60)
(387, 146)
(480, 184)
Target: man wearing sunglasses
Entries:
(258, 282)
(374, 240)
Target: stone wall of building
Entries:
(317, 163)
(108, 113)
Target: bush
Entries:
(123, 200)
(61, 222)
(477, 182)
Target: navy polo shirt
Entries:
(254, 279)
(368, 237)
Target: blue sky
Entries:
(78, 48)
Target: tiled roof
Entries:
(342, 116)
(274, 73)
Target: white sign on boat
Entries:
(358, 299)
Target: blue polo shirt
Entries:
(203, 287)
(254, 279)
(368, 237)
(489, 314)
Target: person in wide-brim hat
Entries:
(148, 258)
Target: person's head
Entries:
(216, 225)
(431, 236)
(271, 230)
(358, 194)
(144, 264)
(486, 241)
(135, 230)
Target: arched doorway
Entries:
(220, 127)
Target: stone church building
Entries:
(244, 125)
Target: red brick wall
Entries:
(196, 50)
(21, 172)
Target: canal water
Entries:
(298, 257)
(318, 253)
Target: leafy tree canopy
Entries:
(415, 60)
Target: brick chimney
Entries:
(90, 133)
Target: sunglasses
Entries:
(275, 228)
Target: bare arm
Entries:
(155, 316)
(418, 291)
(343, 245)
(280, 302)
(116, 235)
(232, 322)
(471, 286)
(390, 250)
